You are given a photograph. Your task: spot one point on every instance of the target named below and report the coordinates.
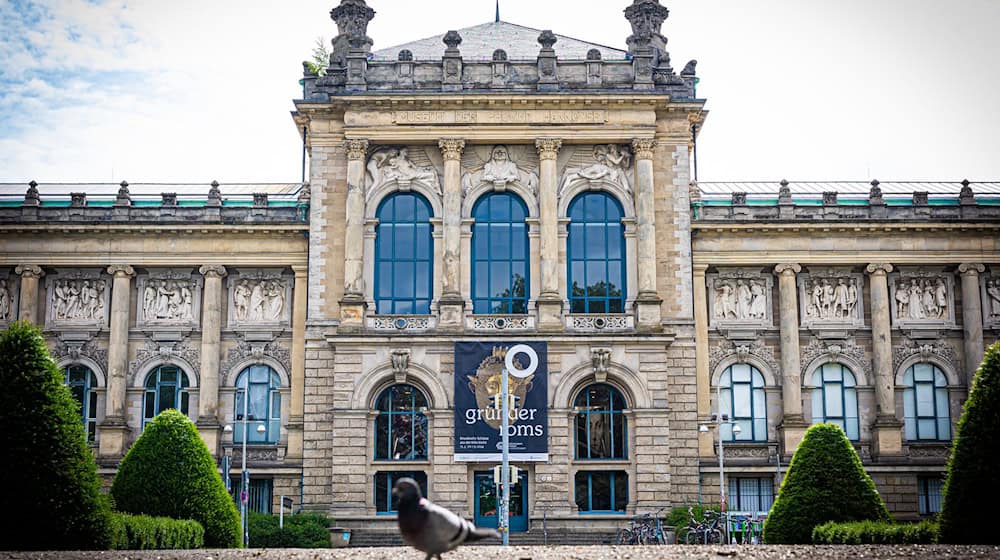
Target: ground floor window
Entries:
(750, 494)
(929, 494)
(259, 497)
(601, 491)
(384, 481)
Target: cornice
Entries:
(852, 227)
(145, 229)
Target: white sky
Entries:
(194, 90)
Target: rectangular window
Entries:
(259, 497)
(601, 491)
(385, 503)
(751, 495)
(929, 495)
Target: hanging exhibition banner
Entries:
(478, 367)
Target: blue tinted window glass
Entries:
(596, 267)
(499, 248)
(403, 253)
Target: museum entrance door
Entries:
(486, 502)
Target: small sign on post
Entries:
(285, 502)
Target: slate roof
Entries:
(479, 42)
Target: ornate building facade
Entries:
(525, 188)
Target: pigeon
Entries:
(430, 528)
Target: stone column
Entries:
(793, 425)
(972, 318)
(887, 435)
(647, 301)
(211, 332)
(703, 376)
(452, 303)
(295, 414)
(114, 429)
(549, 300)
(352, 307)
(28, 306)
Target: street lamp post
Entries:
(720, 420)
(244, 473)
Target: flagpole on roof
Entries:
(498, 11)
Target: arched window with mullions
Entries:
(401, 424)
(83, 384)
(596, 258)
(166, 387)
(263, 407)
(601, 427)
(835, 398)
(500, 255)
(925, 404)
(741, 390)
(404, 256)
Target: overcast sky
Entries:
(195, 90)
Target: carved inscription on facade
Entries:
(831, 298)
(78, 298)
(259, 298)
(991, 298)
(922, 297)
(739, 297)
(168, 297)
(555, 116)
(9, 287)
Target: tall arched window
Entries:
(401, 425)
(166, 387)
(596, 258)
(925, 404)
(601, 427)
(500, 255)
(83, 384)
(404, 253)
(743, 399)
(835, 399)
(263, 407)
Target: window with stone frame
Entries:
(601, 426)
(752, 495)
(401, 424)
(263, 408)
(835, 398)
(601, 491)
(166, 387)
(500, 269)
(385, 502)
(82, 384)
(596, 254)
(926, 415)
(929, 494)
(260, 494)
(741, 390)
(404, 256)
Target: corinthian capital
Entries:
(643, 148)
(879, 268)
(452, 148)
(548, 148)
(971, 269)
(121, 271)
(790, 268)
(29, 271)
(213, 271)
(357, 148)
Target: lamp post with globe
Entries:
(245, 474)
(720, 420)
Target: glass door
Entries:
(487, 499)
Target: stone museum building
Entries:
(500, 185)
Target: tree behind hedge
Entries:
(825, 482)
(52, 497)
(169, 472)
(972, 486)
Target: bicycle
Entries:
(704, 532)
(643, 529)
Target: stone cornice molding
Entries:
(452, 148)
(213, 271)
(879, 269)
(548, 148)
(643, 148)
(971, 269)
(121, 271)
(29, 271)
(788, 267)
(356, 148)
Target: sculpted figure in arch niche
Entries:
(499, 167)
(612, 163)
(397, 164)
(993, 291)
(6, 302)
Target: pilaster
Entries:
(793, 425)
(114, 429)
(701, 352)
(549, 300)
(211, 327)
(972, 318)
(352, 307)
(886, 431)
(298, 374)
(647, 302)
(28, 305)
(452, 303)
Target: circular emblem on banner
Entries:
(532, 360)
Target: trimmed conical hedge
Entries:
(825, 482)
(51, 492)
(169, 472)
(972, 487)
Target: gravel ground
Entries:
(942, 552)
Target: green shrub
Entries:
(875, 532)
(169, 472)
(679, 518)
(825, 482)
(51, 490)
(304, 530)
(141, 532)
(972, 486)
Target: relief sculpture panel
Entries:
(605, 163)
(403, 167)
(78, 298)
(739, 297)
(991, 298)
(922, 297)
(9, 288)
(831, 298)
(500, 166)
(169, 298)
(259, 298)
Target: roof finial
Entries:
(498, 11)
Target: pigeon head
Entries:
(407, 491)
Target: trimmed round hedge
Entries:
(972, 486)
(51, 490)
(825, 482)
(169, 472)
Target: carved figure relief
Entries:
(991, 299)
(168, 297)
(831, 297)
(610, 163)
(921, 297)
(739, 297)
(500, 166)
(8, 298)
(78, 297)
(401, 166)
(258, 298)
